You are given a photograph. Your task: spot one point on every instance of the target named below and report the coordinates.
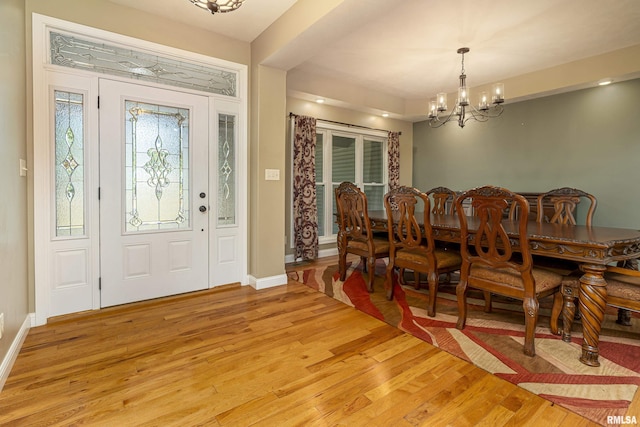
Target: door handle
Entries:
(203, 208)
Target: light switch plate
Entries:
(272, 174)
(23, 167)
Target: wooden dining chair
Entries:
(354, 232)
(494, 262)
(443, 200)
(411, 243)
(564, 201)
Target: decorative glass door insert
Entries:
(156, 167)
(226, 170)
(69, 163)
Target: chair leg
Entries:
(531, 307)
(556, 312)
(401, 276)
(388, 281)
(364, 261)
(487, 302)
(433, 293)
(372, 273)
(342, 266)
(461, 294)
(624, 317)
(577, 315)
(416, 280)
(568, 311)
(447, 278)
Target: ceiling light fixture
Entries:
(605, 82)
(320, 101)
(463, 110)
(218, 6)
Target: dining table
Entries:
(593, 247)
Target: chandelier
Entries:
(221, 6)
(463, 110)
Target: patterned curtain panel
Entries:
(305, 208)
(393, 145)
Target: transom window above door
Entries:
(97, 56)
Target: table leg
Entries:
(593, 300)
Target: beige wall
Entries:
(328, 112)
(13, 208)
(268, 208)
(266, 244)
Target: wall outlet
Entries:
(1, 325)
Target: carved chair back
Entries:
(405, 206)
(443, 199)
(488, 244)
(564, 202)
(353, 219)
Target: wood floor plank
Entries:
(236, 357)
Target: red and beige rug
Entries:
(494, 341)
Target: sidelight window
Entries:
(69, 164)
(226, 169)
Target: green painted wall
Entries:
(587, 139)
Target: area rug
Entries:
(493, 341)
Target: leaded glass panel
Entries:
(227, 191)
(69, 163)
(85, 54)
(156, 167)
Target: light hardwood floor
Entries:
(238, 357)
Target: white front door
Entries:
(153, 192)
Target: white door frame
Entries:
(47, 76)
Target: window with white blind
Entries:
(348, 154)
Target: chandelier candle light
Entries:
(218, 6)
(463, 111)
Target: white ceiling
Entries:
(245, 23)
(410, 50)
(407, 48)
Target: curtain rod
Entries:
(346, 124)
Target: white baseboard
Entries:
(321, 254)
(14, 349)
(267, 282)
